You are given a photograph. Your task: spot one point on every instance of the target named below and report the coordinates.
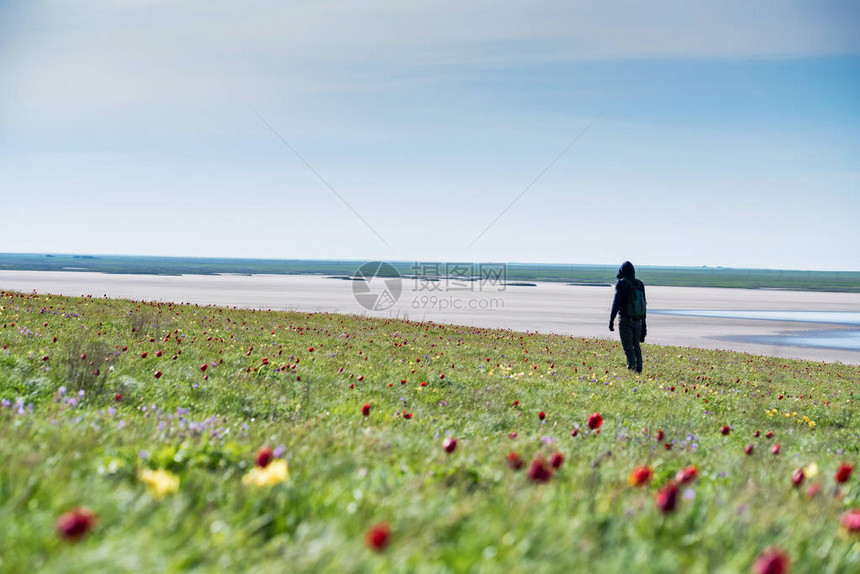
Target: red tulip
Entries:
(843, 473)
(686, 474)
(264, 457)
(771, 561)
(378, 536)
(76, 523)
(797, 477)
(667, 498)
(538, 472)
(515, 461)
(850, 520)
(640, 475)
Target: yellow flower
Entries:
(159, 482)
(274, 473)
(810, 470)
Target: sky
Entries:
(666, 133)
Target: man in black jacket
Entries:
(632, 331)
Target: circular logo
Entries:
(376, 285)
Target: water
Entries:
(829, 317)
(843, 339)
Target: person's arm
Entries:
(616, 306)
(644, 322)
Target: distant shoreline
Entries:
(511, 273)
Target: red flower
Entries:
(76, 523)
(843, 473)
(574, 432)
(204, 366)
(365, 409)
(594, 421)
(748, 449)
(157, 374)
(515, 461)
(660, 435)
(143, 355)
(118, 397)
(538, 472)
(812, 490)
(556, 460)
(406, 415)
(686, 474)
(450, 445)
(774, 449)
(726, 429)
(264, 457)
(378, 536)
(541, 415)
(310, 349)
(850, 520)
(797, 477)
(769, 434)
(771, 561)
(640, 475)
(667, 498)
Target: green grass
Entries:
(461, 512)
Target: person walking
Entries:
(629, 303)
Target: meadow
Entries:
(160, 437)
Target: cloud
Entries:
(102, 57)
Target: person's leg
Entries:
(625, 332)
(637, 348)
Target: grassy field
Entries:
(845, 281)
(153, 421)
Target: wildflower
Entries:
(748, 449)
(667, 498)
(515, 461)
(687, 474)
(556, 460)
(541, 415)
(365, 409)
(660, 435)
(850, 520)
(594, 421)
(726, 429)
(264, 457)
(640, 475)
(843, 473)
(771, 561)
(538, 472)
(813, 490)
(797, 477)
(274, 473)
(450, 445)
(774, 449)
(159, 482)
(378, 536)
(76, 523)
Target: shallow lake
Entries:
(848, 339)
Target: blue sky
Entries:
(728, 133)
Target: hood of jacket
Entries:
(626, 271)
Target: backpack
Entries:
(636, 302)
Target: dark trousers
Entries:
(630, 331)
